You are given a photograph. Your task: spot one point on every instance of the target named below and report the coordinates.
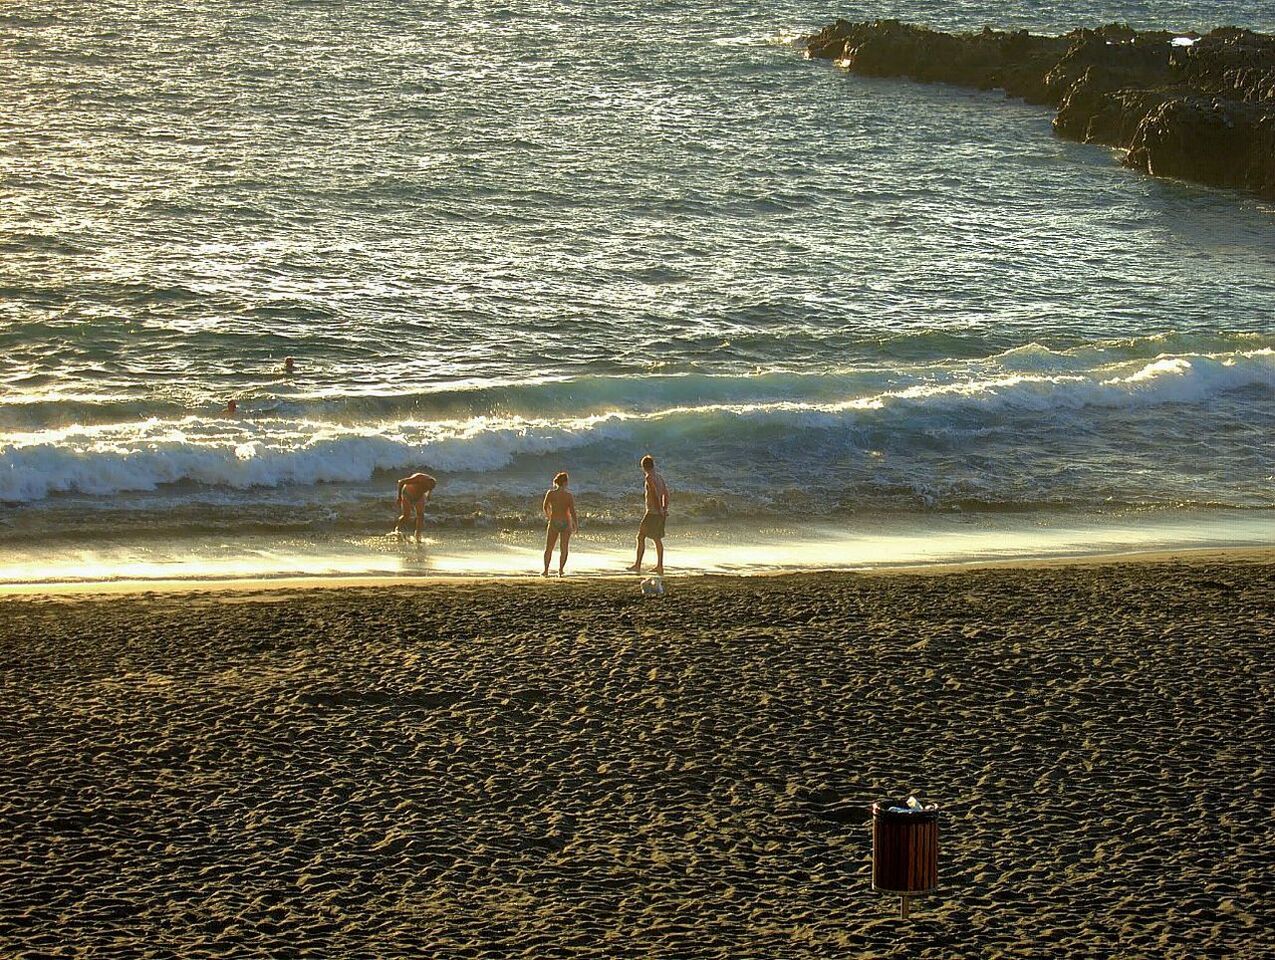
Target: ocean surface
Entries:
(504, 239)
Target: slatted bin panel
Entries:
(905, 850)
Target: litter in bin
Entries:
(914, 806)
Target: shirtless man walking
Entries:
(656, 492)
(413, 492)
(560, 511)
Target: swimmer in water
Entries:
(560, 511)
(231, 408)
(413, 492)
(289, 365)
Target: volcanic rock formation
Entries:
(1188, 106)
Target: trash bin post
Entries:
(905, 849)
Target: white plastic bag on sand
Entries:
(653, 587)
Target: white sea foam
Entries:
(1164, 380)
(274, 451)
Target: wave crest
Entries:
(282, 450)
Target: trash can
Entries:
(905, 850)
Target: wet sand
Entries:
(489, 769)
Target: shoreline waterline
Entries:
(698, 554)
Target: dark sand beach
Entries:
(571, 770)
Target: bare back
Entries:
(416, 486)
(559, 504)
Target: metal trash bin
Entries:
(905, 850)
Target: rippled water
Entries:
(502, 239)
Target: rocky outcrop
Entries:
(1196, 107)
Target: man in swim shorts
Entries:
(413, 492)
(656, 493)
(560, 511)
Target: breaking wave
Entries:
(814, 420)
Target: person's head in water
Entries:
(561, 479)
(231, 406)
(648, 463)
(289, 365)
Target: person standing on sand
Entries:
(656, 492)
(413, 492)
(560, 511)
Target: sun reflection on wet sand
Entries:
(694, 552)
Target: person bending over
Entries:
(413, 492)
(560, 511)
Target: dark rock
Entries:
(1219, 142)
(1108, 66)
(1093, 112)
(1202, 112)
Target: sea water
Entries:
(855, 320)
